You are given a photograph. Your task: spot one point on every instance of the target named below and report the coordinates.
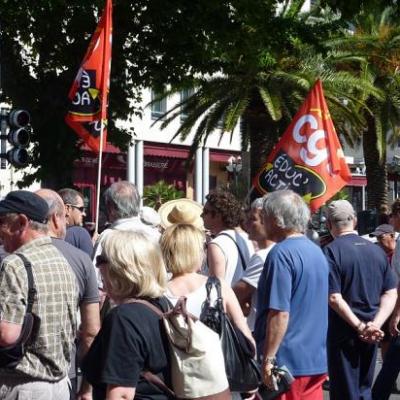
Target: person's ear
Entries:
(21, 223)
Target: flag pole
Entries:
(103, 115)
(98, 186)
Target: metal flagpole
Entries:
(99, 176)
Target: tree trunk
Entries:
(376, 169)
(262, 132)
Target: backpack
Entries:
(196, 359)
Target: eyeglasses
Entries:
(81, 209)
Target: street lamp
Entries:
(234, 167)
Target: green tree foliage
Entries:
(372, 51)
(266, 92)
(159, 193)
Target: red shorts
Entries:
(305, 388)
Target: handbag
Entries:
(241, 368)
(10, 356)
(283, 379)
(196, 359)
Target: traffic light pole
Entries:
(3, 131)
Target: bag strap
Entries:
(157, 381)
(242, 259)
(149, 376)
(213, 281)
(152, 307)
(31, 282)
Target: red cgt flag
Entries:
(89, 92)
(309, 158)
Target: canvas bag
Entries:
(197, 362)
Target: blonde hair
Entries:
(135, 265)
(182, 246)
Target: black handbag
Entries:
(284, 380)
(10, 356)
(242, 370)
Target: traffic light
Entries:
(15, 129)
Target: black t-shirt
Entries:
(360, 271)
(130, 341)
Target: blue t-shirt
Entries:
(361, 273)
(79, 237)
(295, 279)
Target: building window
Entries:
(158, 108)
(185, 94)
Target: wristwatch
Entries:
(269, 360)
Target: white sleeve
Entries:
(253, 270)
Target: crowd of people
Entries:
(319, 311)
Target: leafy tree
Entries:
(372, 51)
(43, 43)
(266, 94)
(159, 193)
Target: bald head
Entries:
(56, 217)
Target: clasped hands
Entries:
(370, 333)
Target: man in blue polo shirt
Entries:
(292, 307)
(362, 295)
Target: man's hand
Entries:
(267, 376)
(370, 333)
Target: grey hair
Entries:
(122, 198)
(258, 204)
(69, 196)
(288, 209)
(38, 226)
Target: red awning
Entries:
(165, 151)
(221, 156)
(358, 181)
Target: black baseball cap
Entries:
(381, 230)
(25, 202)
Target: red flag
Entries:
(89, 92)
(309, 158)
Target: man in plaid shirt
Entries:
(42, 372)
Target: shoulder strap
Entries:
(152, 307)
(31, 282)
(213, 281)
(157, 381)
(244, 265)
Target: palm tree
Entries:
(372, 51)
(265, 101)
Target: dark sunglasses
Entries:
(81, 209)
(101, 260)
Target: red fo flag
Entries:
(89, 92)
(309, 158)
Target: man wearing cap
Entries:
(362, 295)
(385, 236)
(387, 376)
(42, 371)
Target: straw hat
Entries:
(181, 211)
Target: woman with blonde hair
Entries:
(182, 246)
(130, 339)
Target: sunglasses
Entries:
(81, 209)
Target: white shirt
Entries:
(233, 263)
(252, 276)
(124, 224)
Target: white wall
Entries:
(145, 131)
